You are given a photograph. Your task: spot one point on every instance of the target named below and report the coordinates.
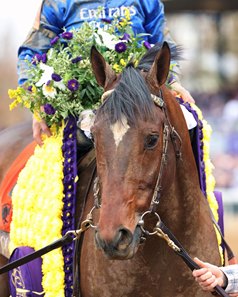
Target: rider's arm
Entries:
(46, 26)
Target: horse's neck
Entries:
(180, 201)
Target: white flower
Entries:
(50, 53)
(60, 85)
(49, 91)
(106, 39)
(46, 76)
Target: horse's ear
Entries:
(101, 69)
(160, 69)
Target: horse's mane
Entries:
(132, 98)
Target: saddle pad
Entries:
(26, 279)
(9, 182)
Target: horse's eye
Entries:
(151, 141)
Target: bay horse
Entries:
(143, 156)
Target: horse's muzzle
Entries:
(122, 247)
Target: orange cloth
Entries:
(8, 184)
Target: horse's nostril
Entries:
(99, 242)
(124, 238)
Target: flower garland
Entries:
(210, 182)
(40, 192)
(207, 180)
(69, 150)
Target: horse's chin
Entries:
(126, 253)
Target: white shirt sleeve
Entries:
(231, 272)
(189, 118)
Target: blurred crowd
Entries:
(221, 111)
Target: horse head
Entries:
(132, 136)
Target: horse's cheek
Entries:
(142, 202)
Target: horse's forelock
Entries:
(131, 99)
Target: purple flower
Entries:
(126, 37)
(120, 47)
(147, 44)
(67, 215)
(54, 40)
(56, 77)
(76, 60)
(67, 35)
(49, 109)
(69, 178)
(36, 59)
(39, 58)
(105, 20)
(44, 58)
(73, 85)
(69, 153)
(29, 88)
(67, 145)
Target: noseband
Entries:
(169, 132)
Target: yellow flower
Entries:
(127, 14)
(116, 67)
(34, 90)
(11, 93)
(39, 193)
(122, 62)
(210, 180)
(19, 99)
(124, 23)
(13, 105)
(26, 104)
(37, 116)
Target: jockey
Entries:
(55, 16)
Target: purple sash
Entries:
(26, 279)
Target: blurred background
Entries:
(207, 30)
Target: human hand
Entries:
(177, 89)
(39, 127)
(208, 276)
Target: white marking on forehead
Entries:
(119, 129)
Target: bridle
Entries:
(169, 132)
